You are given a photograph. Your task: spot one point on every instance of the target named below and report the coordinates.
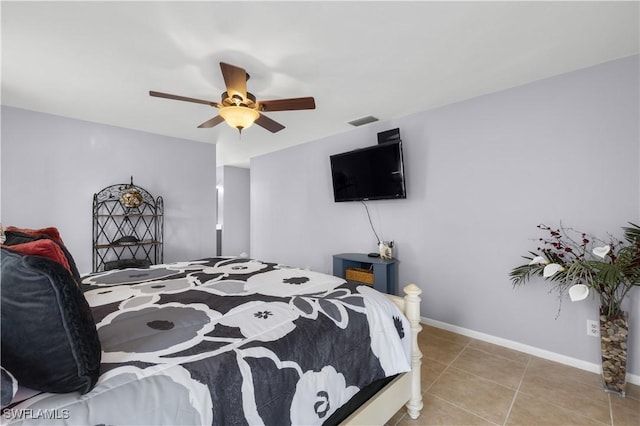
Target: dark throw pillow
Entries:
(44, 248)
(51, 232)
(20, 236)
(49, 338)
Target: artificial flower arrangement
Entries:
(578, 263)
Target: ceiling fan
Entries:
(239, 108)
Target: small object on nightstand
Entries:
(374, 255)
(386, 250)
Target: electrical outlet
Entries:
(593, 328)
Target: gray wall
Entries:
(481, 174)
(52, 166)
(233, 208)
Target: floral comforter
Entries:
(231, 341)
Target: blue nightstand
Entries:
(384, 271)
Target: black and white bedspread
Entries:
(231, 341)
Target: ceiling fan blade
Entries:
(288, 104)
(212, 122)
(235, 78)
(183, 98)
(269, 124)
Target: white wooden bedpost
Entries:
(412, 312)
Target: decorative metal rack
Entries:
(128, 226)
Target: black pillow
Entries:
(16, 237)
(49, 337)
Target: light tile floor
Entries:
(469, 382)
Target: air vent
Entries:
(363, 120)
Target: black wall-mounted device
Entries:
(389, 135)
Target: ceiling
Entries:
(97, 61)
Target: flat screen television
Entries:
(372, 173)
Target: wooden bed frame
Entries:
(404, 389)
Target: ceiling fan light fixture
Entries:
(239, 108)
(239, 117)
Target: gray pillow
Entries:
(8, 387)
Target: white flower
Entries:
(291, 281)
(538, 260)
(601, 252)
(551, 270)
(578, 292)
(233, 267)
(318, 395)
(262, 321)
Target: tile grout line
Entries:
(459, 353)
(497, 355)
(480, 376)
(449, 365)
(515, 394)
(529, 363)
(424, 391)
(453, 404)
(550, 401)
(445, 369)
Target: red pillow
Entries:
(43, 248)
(51, 232)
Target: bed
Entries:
(230, 340)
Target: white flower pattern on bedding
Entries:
(248, 266)
(314, 399)
(291, 281)
(334, 305)
(106, 295)
(254, 342)
(262, 321)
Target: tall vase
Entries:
(613, 345)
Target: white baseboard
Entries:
(541, 353)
